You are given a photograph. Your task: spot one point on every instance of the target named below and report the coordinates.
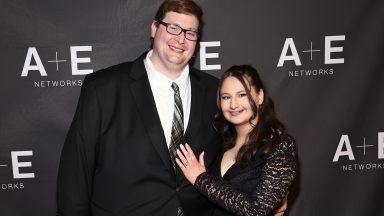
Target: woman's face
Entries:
(235, 106)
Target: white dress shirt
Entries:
(164, 95)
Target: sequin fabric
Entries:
(259, 190)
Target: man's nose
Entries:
(181, 38)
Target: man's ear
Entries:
(154, 27)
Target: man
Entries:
(117, 158)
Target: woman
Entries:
(258, 163)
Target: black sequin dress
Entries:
(256, 190)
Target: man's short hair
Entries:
(188, 7)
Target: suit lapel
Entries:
(199, 94)
(142, 93)
(195, 116)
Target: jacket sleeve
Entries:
(276, 177)
(77, 162)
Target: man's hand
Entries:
(284, 204)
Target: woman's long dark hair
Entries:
(268, 127)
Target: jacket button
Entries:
(177, 189)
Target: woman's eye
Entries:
(224, 97)
(243, 95)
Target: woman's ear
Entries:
(260, 96)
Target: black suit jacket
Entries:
(115, 159)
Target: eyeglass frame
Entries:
(178, 27)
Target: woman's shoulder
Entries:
(286, 139)
(285, 144)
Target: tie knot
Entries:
(175, 87)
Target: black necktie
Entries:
(177, 125)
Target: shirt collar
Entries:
(162, 81)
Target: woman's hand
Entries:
(189, 164)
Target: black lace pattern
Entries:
(257, 191)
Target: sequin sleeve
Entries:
(276, 177)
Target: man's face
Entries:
(173, 51)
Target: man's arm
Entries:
(77, 160)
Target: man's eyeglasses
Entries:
(174, 29)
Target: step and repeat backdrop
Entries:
(322, 61)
